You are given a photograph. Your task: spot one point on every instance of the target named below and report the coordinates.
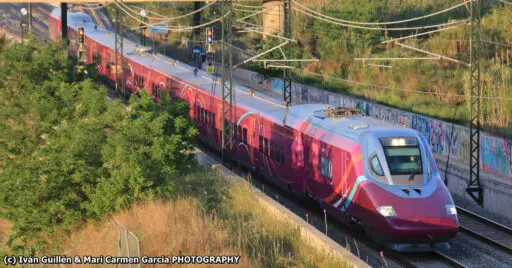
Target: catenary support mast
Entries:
(474, 188)
(227, 78)
(287, 81)
(120, 85)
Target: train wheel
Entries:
(302, 195)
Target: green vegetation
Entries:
(66, 154)
(337, 46)
(419, 86)
(70, 160)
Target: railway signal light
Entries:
(210, 56)
(81, 35)
(209, 36)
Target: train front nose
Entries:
(423, 229)
(424, 224)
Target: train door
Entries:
(325, 176)
(296, 162)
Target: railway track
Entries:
(485, 230)
(428, 259)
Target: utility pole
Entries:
(475, 189)
(227, 76)
(119, 56)
(30, 19)
(143, 26)
(197, 21)
(64, 23)
(287, 80)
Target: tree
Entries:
(66, 154)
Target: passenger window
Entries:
(265, 147)
(261, 143)
(377, 169)
(245, 136)
(282, 154)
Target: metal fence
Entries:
(128, 245)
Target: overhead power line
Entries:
(400, 89)
(278, 65)
(247, 6)
(91, 6)
(378, 23)
(378, 28)
(420, 34)
(177, 29)
(163, 18)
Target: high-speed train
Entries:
(379, 177)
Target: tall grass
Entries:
(207, 216)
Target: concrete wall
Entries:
(273, 17)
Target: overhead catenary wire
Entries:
(91, 6)
(378, 28)
(177, 29)
(246, 6)
(420, 34)
(163, 18)
(401, 89)
(278, 65)
(432, 54)
(378, 23)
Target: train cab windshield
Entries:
(403, 158)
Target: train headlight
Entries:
(386, 211)
(451, 210)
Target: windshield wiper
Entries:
(413, 174)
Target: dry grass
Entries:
(5, 229)
(182, 226)
(179, 227)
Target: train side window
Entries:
(245, 136)
(266, 145)
(213, 120)
(376, 167)
(326, 167)
(96, 58)
(234, 131)
(240, 133)
(282, 154)
(261, 143)
(271, 149)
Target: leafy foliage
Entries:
(67, 154)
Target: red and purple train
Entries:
(365, 172)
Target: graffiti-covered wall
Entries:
(445, 138)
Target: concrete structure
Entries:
(273, 17)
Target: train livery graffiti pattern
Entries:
(445, 138)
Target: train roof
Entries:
(270, 107)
